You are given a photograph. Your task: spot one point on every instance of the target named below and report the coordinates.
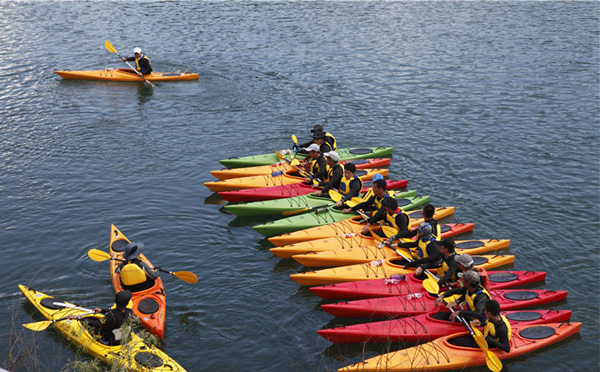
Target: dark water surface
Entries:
(491, 107)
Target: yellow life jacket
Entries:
(470, 300)
(314, 166)
(490, 329)
(421, 250)
(345, 184)
(330, 172)
(390, 219)
(137, 62)
(132, 274)
(330, 139)
(443, 269)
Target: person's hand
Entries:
(72, 316)
(453, 316)
(365, 229)
(439, 301)
(318, 193)
(97, 310)
(124, 59)
(346, 210)
(157, 268)
(476, 322)
(451, 304)
(339, 203)
(419, 271)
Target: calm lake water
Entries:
(492, 107)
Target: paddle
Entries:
(186, 276)
(112, 49)
(44, 324)
(387, 230)
(333, 194)
(296, 149)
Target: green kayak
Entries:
(296, 203)
(345, 154)
(324, 217)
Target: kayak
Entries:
(421, 328)
(142, 357)
(125, 74)
(398, 306)
(286, 178)
(348, 226)
(284, 166)
(344, 153)
(387, 288)
(287, 191)
(359, 241)
(358, 255)
(442, 355)
(382, 268)
(150, 305)
(297, 203)
(324, 217)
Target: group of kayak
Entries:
(139, 291)
(389, 262)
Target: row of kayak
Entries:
(148, 303)
(373, 283)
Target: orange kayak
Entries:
(125, 74)
(349, 227)
(382, 268)
(149, 304)
(442, 355)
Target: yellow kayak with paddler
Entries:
(125, 74)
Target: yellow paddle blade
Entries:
(431, 285)
(389, 231)
(110, 47)
(186, 276)
(350, 203)
(357, 200)
(491, 359)
(295, 139)
(38, 326)
(291, 213)
(335, 195)
(279, 154)
(295, 162)
(98, 255)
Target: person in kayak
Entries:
(142, 62)
(327, 138)
(372, 197)
(317, 165)
(472, 294)
(448, 271)
(391, 214)
(136, 275)
(350, 185)
(113, 319)
(496, 329)
(334, 174)
(428, 213)
(425, 249)
(465, 263)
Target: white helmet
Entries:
(137, 50)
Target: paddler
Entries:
(113, 318)
(448, 271)
(321, 135)
(425, 249)
(465, 263)
(142, 62)
(373, 196)
(350, 185)
(472, 294)
(391, 214)
(136, 274)
(317, 164)
(334, 174)
(428, 213)
(496, 329)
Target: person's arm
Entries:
(503, 343)
(367, 203)
(403, 232)
(452, 269)
(336, 177)
(480, 301)
(153, 274)
(355, 187)
(322, 173)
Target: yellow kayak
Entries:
(134, 356)
(125, 74)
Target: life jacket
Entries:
(470, 300)
(330, 172)
(112, 334)
(444, 267)
(390, 219)
(314, 165)
(490, 328)
(345, 185)
(132, 274)
(421, 250)
(330, 139)
(484, 279)
(137, 62)
(325, 147)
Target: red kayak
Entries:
(287, 191)
(397, 306)
(388, 287)
(420, 328)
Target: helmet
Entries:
(137, 50)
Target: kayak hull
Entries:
(76, 332)
(381, 269)
(284, 166)
(344, 153)
(347, 226)
(352, 242)
(442, 355)
(289, 178)
(358, 255)
(280, 206)
(149, 304)
(399, 306)
(421, 328)
(125, 74)
(379, 287)
(330, 215)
